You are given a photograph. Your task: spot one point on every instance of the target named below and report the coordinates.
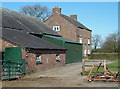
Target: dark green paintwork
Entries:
(13, 53)
(74, 49)
(13, 64)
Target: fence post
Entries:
(83, 66)
(105, 67)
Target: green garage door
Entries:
(74, 49)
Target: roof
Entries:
(26, 40)
(74, 22)
(17, 21)
(65, 40)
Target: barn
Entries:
(39, 54)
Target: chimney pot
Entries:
(56, 10)
(74, 17)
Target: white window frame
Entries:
(38, 58)
(80, 39)
(88, 40)
(89, 51)
(58, 58)
(85, 51)
(56, 28)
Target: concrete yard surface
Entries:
(65, 76)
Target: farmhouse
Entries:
(69, 27)
(26, 38)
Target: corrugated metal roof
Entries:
(17, 21)
(65, 40)
(74, 22)
(26, 40)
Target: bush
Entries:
(104, 56)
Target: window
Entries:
(58, 58)
(88, 51)
(85, 52)
(47, 60)
(88, 40)
(80, 39)
(38, 59)
(56, 28)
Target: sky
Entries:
(100, 17)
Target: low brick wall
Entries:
(105, 56)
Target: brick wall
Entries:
(85, 34)
(4, 44)
(67, 30)
(48, 61)
(30, 58)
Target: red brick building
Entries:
(38, 53)
(70, 28)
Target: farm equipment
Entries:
(105, 75)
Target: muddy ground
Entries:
(66, 76)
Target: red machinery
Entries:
(106, 75)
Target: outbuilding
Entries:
(38, 53)
(74, 49)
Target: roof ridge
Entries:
(74, 22)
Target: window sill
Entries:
(38, 62)
(58, 61)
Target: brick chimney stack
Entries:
(74, 17)
(56, 10)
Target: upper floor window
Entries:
(80, 39)
(56, 28)
(88, 40)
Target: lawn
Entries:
(102, 68)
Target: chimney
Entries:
(74, 17)
(56, 10)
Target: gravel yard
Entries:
(66, 76)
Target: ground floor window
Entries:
(38, 59)
(88, 51)
(85, 52)
(58, 58)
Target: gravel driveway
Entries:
(66, 76)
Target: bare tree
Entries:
(96, 41)
(111, 43)
(41, 12)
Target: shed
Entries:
(74, 49)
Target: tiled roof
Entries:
(75, 22)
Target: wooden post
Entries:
(83, 66)
(105, 67)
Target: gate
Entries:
(13, 66)
(13, 69)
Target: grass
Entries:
(102, 68)
(100, 60)
(105, 53)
